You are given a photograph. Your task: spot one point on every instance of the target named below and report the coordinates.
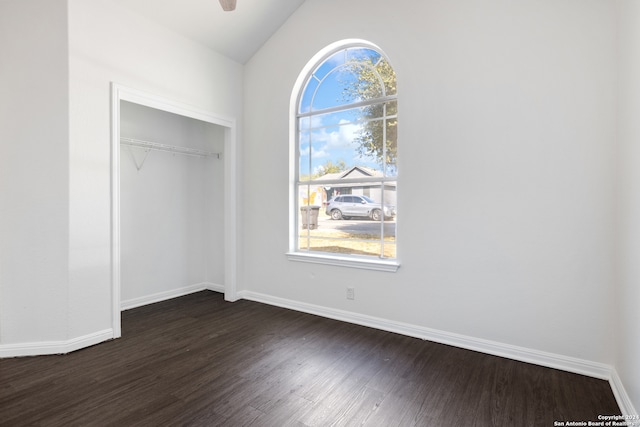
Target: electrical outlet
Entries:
(351, 293)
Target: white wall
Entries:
(172, 205)
(34, 171)
(58, 60)
(109, 44)
(628, 337)
(506, 154)
(507, 129)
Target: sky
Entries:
(331, 135)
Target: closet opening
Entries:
(173, 201)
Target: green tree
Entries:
(369, 79)
(330, 167)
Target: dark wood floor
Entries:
(201, 361)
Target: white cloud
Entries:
(318, 153)
(345, 135)
(337, 138)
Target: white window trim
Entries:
(345, 261)
(353, 261)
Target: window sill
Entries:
(362, 263)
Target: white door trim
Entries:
(123, 93)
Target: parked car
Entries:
(347, 206)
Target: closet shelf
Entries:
(168, 148)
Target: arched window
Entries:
(345, 154)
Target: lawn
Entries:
(339, 242)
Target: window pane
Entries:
(392, 108)
(369, 144)
(303, 243)
(355, 137)
(357, 236)
(391, 158)
(314, 154)
(365, 82)
(390, 193)
(304, 165)
(390, 250)
(389, 226)
(331, 91)
(310, 195)
(307, 95)
(371, 150)
(364, 75)
(388, 77)
(361, 54)
(346, 144)
(345, 149)
(334, 61)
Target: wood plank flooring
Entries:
(200, 361)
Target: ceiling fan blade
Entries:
(228, 5)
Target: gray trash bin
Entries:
(309, 216)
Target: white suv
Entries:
(349, 205)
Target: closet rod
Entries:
(168, 148)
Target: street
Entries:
(356, 226)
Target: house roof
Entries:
(354, 172)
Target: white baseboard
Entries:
(551, 360)
(54, 347)
(214, 287)
(522, 354)
(62, 347)
(173, 293)
(624, 402)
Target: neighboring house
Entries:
(369, 189)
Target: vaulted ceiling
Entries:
(237, 35)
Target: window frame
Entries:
(346, 260)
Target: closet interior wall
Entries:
(171, 206)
